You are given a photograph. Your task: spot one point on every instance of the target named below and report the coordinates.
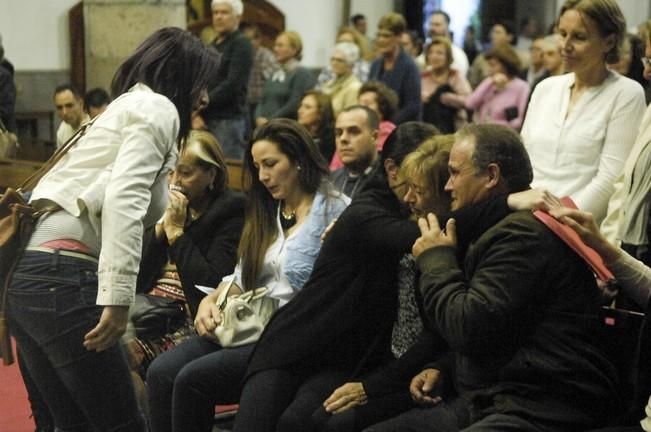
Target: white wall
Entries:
(317, 21)
(35, 33)
(373, 10)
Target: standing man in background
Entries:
(225, 115)
(69, 104)
(439, 25)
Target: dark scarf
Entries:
(475, 219)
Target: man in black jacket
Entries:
(225, 115)
(516, 310)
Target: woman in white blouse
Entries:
(580, 126)
(71, 290)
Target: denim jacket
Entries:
(289, 260)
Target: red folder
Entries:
(572, 239)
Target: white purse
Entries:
(243, 316)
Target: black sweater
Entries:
(204, 254)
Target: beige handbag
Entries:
(243, 316)
(8, 143)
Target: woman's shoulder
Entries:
(625, 85)
(330, 201)
(554, 82)
(142, 101)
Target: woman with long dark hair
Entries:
(71, 290)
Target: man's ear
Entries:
(494, 174)
(391, 169)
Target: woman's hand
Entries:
(208, 314)
(586, 227)
(327, 230)
(533, 199)
(208, 317)
(423, 385)
(449, 99)
(345, 397)
(500, 80)
(111, 326)
(175, 214)
(260, 121)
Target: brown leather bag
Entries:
(17, 220)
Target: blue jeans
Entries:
(51, 308)
(230, 133)
(186, 382)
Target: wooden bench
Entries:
(234, 174)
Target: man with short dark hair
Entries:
(517, 311)
(225, 115)
(69, 105)
(356, 131)
(359, 22)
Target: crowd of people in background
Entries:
(391, 214)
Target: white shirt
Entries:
(117, 172)
(580, 154)
(288, 261)
(459, 60)
(65, 131)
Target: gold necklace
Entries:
(287, 220)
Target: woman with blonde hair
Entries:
(282, 93)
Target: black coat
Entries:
(204, 254)
(519, 317)
(343, 316)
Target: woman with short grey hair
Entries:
(343, 88)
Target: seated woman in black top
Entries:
(195, 243)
